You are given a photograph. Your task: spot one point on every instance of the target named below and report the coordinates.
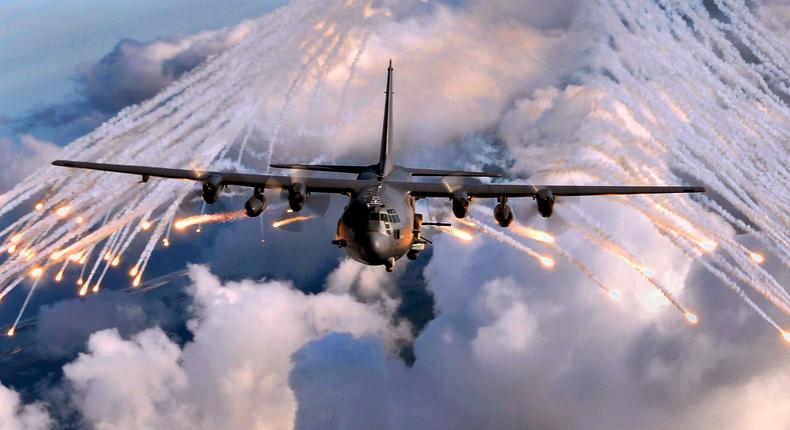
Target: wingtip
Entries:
(64, 163)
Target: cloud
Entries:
(368, 283)
(134, 71)
(129, 384)
(131, 73)
(512, 345)
(234, 374)
(28, 154)
(475, 59)
(775, 15)
(14, 415)
(547, 352)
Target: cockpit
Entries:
(384, 221)
(384, 216)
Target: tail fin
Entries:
(385, 164)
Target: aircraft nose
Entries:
(379, 245)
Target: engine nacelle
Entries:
(255, 205)
(296, 197)
(460, 204)
(545, 199)
(212, 187)
(503, 215)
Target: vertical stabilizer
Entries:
(385, 164)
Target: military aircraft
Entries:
(379, 225)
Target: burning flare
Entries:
(286, 221)
(692, 318)
(531, 233)
(207, 219)
(459, 233)
(757, 258)
(62, 211)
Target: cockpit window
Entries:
(384, 217)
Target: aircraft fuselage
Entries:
(377, 225)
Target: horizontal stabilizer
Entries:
(435, 172)
(324, 167)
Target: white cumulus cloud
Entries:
(233, 374)
(23, 158)
(14, 415)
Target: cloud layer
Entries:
(28, 155)
(234, 374)
(131, 73)
(14, 415)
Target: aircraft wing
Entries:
(424, 189)
(345, 186)
(318, 185)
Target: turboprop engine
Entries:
(296, 197)
(545, 200)
(255, 204)
(460, 204)
(503, 215)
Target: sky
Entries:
(245, 326)
(44, 42)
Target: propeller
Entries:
(460, 200)
(528, 212)
(313, 205)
